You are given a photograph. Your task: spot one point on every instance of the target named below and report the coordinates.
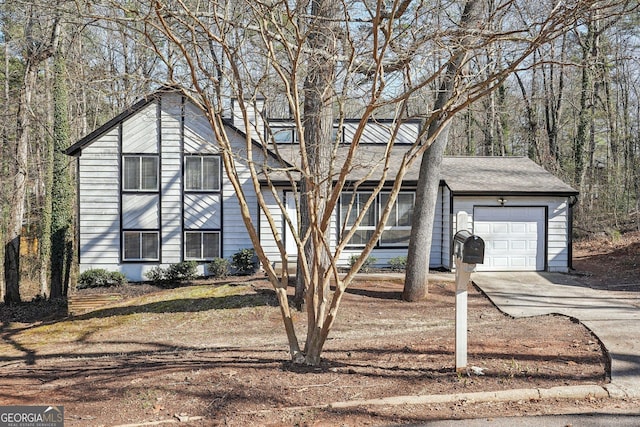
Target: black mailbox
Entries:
(468, 247)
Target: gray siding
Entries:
(557, 239)
(99, 203)
(171, 178)
(382, 255)
(140, 132)
(234, 235)
(558, 235)
(202, 211)
(140, 211)
(198, 135)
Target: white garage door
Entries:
(513, 236)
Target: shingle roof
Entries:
(463, 175)
(474, 175)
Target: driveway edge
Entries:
(562, 392)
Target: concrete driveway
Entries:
(614, 317)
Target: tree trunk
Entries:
(318, 126)
(61, 190)
(36, 52)
(19, 191)
(416, 285)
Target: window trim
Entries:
(140, 233)
(156, 158)
(365, 228)
(388, 227)
(377, 205)
(201, 233)
(284, 130)
(201, 157)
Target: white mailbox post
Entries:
(468, 250)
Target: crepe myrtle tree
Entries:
(322, 61)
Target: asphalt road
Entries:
(582, 420)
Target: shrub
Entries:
(218, 268)
(185, 270)
(99, 277)
(366, 265)
(398, 263)
(244, 261)
(156, 274)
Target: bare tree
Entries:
(375, 59)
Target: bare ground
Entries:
(215, 353)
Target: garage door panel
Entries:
(500, 261)
(500, 228)
(499, 244)
(519, 245)
(514, 238)
(484, 228)
(518, 262)
(519, 227)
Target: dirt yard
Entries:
(212, 354)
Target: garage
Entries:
(514, 237)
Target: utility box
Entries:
(468, 247)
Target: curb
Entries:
(563, 392)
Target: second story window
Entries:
(202, 173)
(140, 173)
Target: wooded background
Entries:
(574, 110)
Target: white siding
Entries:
(198, 135)
(140, 211)
(99, 203)
(447, 226)
(556, 237)
(202, 211)
(267, 240)
(382, 255)
(171, 179)
(234, 233)
(140, 131)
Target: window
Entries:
(141, 245)
(202, 173)
(140, 173)
(203, 245)
(352, 204)
(283, 135)
(398, 228)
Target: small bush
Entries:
(366, 265)
(156, 274)
(244, 261)
(101, 278)
(185, 270)
(219, 268)
(398, 263)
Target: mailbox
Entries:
(468, 247)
